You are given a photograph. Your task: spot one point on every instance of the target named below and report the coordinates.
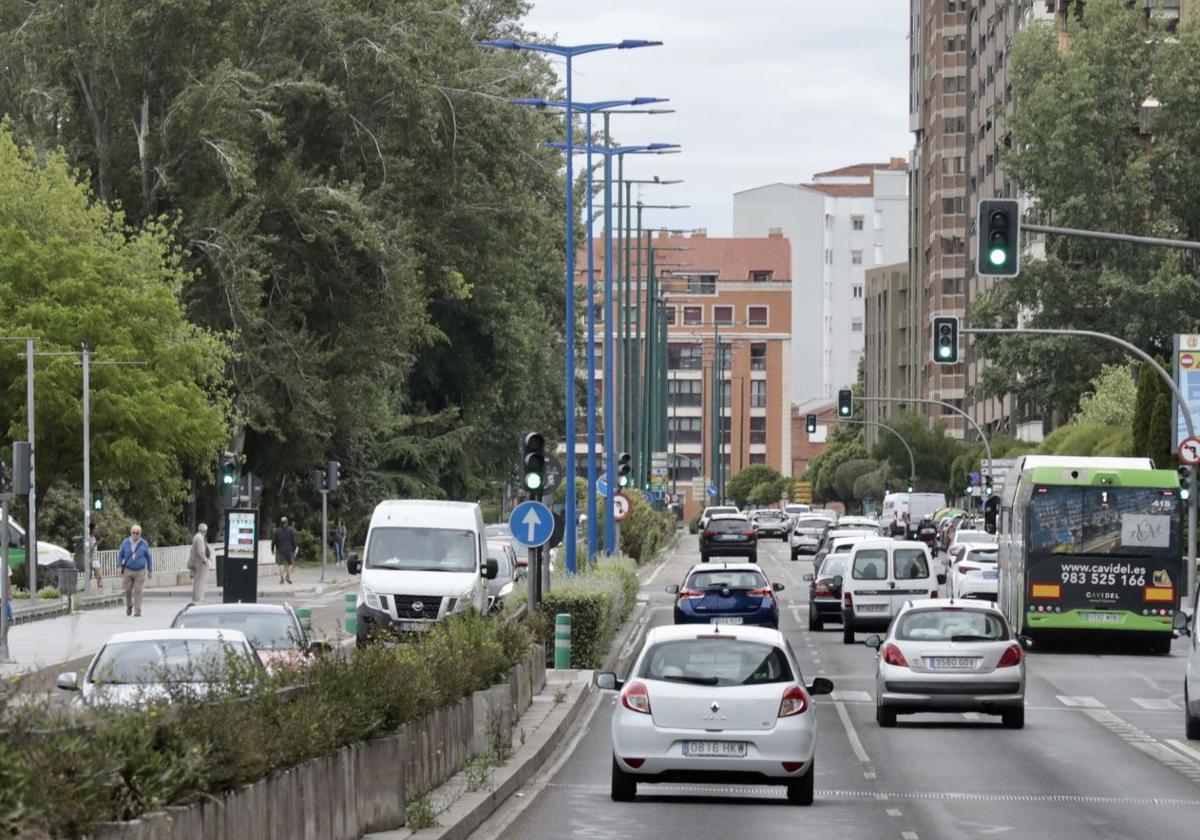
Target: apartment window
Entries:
(758, 458)
(756, 316)
(693, 315)
(828, 256)
(726, 356)
(685, 429)
(856, 222)
(682, 356)
(670, 312)
(856, 258)
(758, 393)
(954, 125)
(760, 276)
(952, 205)
(702, 284)
(598, 312)
(723, 315)
(758, 429)
(685, 392)
(856, 325)
(725, 395)
(858, 290)
(758, 356)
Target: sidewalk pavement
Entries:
(59, 638)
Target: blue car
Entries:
(726, 593)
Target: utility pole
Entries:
(31, 542)
(4, 584)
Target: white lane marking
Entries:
(851, 733)
(1079, 702)
(796, 615)
(1186, 749)
(852, 696)
(868, 774)
(909, 835)
(1142, 741)
(1156, 703)
(894, 812)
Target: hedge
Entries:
(645, 530)
(598, 600)
(61, 773)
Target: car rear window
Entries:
(724, 661)
(813, 522)
(978, 556)
(729, 525)
(910, 564)
(870, 564)
(833, 566)
(266, 631)
(732, 578)
(945, 625)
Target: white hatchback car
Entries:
(709, 705)
(940, 656)
(974, 573)
(964, 538)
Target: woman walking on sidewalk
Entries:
(93, 554)
(339, 542)
(136, 566)
(198, 563)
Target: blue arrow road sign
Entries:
(601, 487)
(531, 523)
(712, 491)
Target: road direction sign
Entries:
(531, 523)
(712, 491)
(621, 506)
(601, 487)
(1189, 451)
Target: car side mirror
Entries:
(353, 564)
(1025, 642)
(941, 580)
(607, 681)
(873, 642)
(821, 685)
(1180, 622)
(673, 589)
(808, 578)
(67, 681)
(778, 587)
(320, 647)
(490, 569)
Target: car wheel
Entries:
(884, 716)
(784, 538)
(703, 558)
(1161, 646)
(814, 619)
(624, 785)
(800, 792)
(1191, 721)
(1013, 718)
(362, 640)
(847, 634)
(753, 558)
(795, 556)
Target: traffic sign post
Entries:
(531, 524)
(1189, 451)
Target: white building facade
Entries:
(846, 221)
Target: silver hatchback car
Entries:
(950, 656)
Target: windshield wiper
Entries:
(972, 639)
(693, 680)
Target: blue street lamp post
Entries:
(568, 53)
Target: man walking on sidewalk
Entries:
(284, 545)
(135, 566)
(198, 563)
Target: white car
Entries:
(939, 656)
(709, 512)
(962, 539)
(807, 534)
(148, 666)
(1191, 679)
(974, 574)
(858, 523)
(705, 704)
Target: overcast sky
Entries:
(765, 90)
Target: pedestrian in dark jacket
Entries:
(285, 547)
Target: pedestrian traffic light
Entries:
(845, 402)
(228, 470)
(98, 500)
(910, 487)
(3, 477)
(320, 481)
(333, 471)
(945, 339)
(1185, 483)
(999, 242)
(533, 462)
(623, 468)
(810, 423)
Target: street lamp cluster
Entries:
(614, 367)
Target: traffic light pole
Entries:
(912, 461)
(1155, 366)
(5, 594)
(986, 444)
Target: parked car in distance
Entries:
(1191, 677)
(501, 531)
(722, 706)
(807, 534)
(975, 573)
(149, 666)
(882, 575)
(825, 590)
(273, 630)
(964, 538)
(729, 535)
(944, 657)
(709, 512)
(726, 593)
(771, 523)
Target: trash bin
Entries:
(68, 579)
(219, 562)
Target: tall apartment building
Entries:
(889, 356)
(840, 225)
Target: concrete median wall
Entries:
(359, 789)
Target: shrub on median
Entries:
(59, 776)
(598, 600)
(645, 531)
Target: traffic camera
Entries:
(533, 462)
(999, 243)
(810, 423)
(945, 339)
(845, 402)
(623, 468)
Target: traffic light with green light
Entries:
(623, 468)
(228, 470)
(945, 339)
(845, 402)
(1185, 484)
(999, 243)
(533, 463)
(97, 500)
(810, 423)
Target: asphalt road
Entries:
(1102, 754)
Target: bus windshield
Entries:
(1103, 520)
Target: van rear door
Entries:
(870, 589)
(911, 576)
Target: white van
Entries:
(424, 560)
(881, 575)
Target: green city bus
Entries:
(1090, 544)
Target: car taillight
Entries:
(797, 533)
(766, 592)
(795, 702)
(893, 656)
(636, 698)
(847, 601)
(933, 594)
(750, 533)
(967, 567)
(1011, 657)
(690, 593)
(822, 589)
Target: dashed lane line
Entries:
(1079, 702)
(1156, 703)
(909, 835)
(1143, 742)
(856, 744)
(1186, 749)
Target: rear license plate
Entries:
(715, 749)
(729, 537)
(413, 626)
(727, 619)
(1102, 617)
(945, 662)
(989, 575)
(872, 607)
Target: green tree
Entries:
(933, 450)
(73, 272)
(1112, 400)
(740, 487)
(846, 475)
